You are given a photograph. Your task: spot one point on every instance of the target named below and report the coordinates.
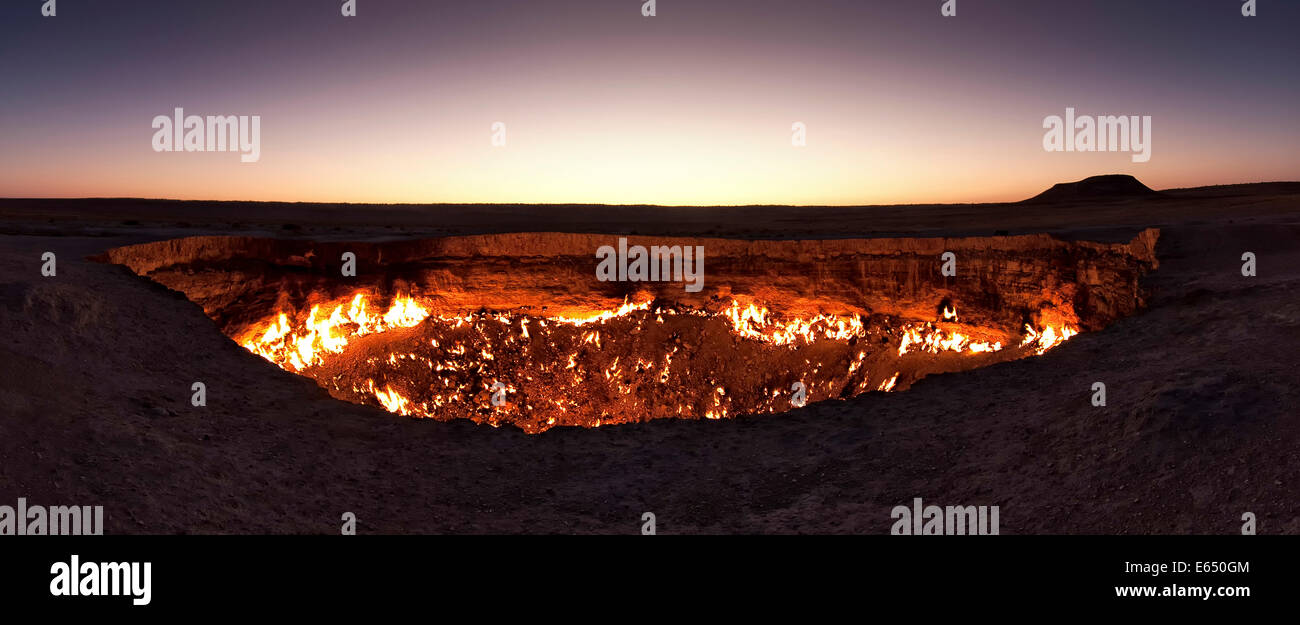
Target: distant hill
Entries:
(1109, 187)
(1237, 190)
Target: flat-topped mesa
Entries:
(1106, 187)
(519, 328)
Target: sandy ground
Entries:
(1201, 423)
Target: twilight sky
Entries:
(603, 105)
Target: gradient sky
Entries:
(602, 105)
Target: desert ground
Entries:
(1201, 423)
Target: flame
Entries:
(390, 399)
(601, 317)
(754, 322)
(1050, 337)
(318, 336)
(451, 366)
(404, 313)
(888, 385)
(930, 339)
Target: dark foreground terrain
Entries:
(1201, 423)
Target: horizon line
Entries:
(593, 204)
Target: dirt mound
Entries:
(1109, 187)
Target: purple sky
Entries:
(601, 104)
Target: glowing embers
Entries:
(931, 338)
(752, 321)
(644, 363)
(638, 361)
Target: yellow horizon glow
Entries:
(621, 150)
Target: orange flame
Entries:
(299, 340)
(307, 346)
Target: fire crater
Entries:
(518, 329)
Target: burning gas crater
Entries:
(516, 328)
(640, 361)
